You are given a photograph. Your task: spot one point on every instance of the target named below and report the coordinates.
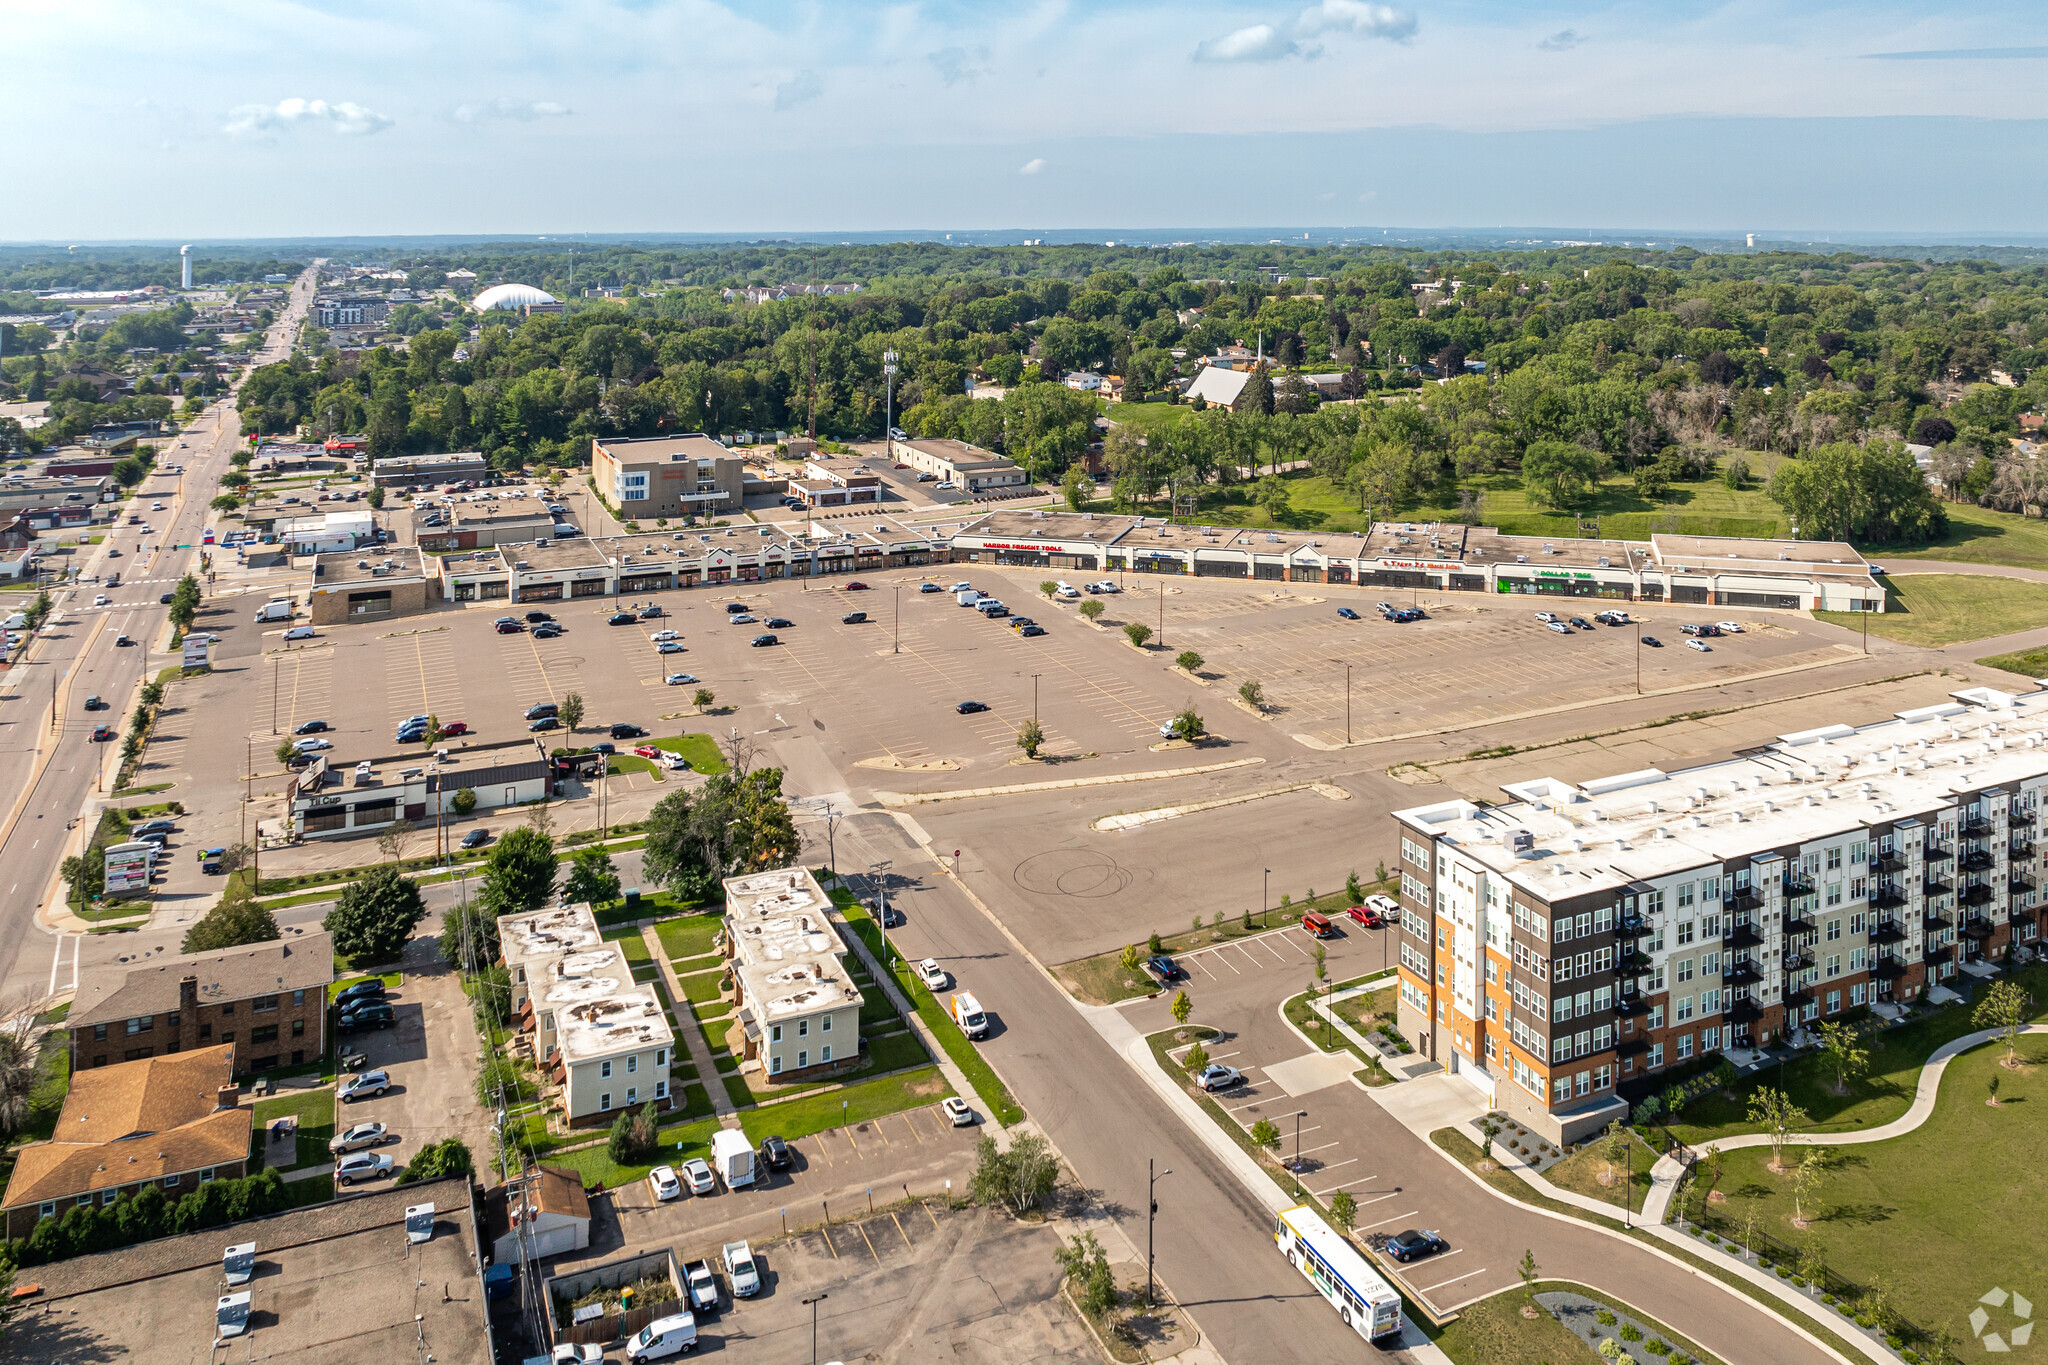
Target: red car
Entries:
(101, 733)
(903, 466)
(1365, 915)
(646, 751)
(856, 586)
(509, 627)
(455, 727)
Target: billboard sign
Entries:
(195, 651)
(127, 868)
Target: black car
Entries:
(544, 723)
(775, 1154)
(164, 599)
(547, 632)
(156, 827)
(1653, 642)
(968, 708)
(619, 618)
(369, 1014)
(625, 731)
(778, 623)
(312, 727)
(536, 617)
(763, 641)
(604, 746)
(735, 608)
(649, 613)
(373, 989)
(1030, 631)
(476, 838)
(854, 618)
(1415, 1244)
(546, 708)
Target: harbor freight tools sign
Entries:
(128, 868)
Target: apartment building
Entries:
(798, 1006)
(668, 476)
(603, 1041)
(267, 1000)
(1581, 944)
(957, 462)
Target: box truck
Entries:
(732, 1157)
(277, 609)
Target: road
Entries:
(52, 771)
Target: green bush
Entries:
(1630, 1332)
(1604, 1318)
(634, 1137)
(1657, 1348)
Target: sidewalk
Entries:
(692, 1031)
(1402, 1066)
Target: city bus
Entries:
(1367, 1303)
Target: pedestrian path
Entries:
(692, 1033)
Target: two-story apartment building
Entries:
(798, 1006)
(957, 462)
(603, 1041)
(267, 1000)
(1584, 942)
(668, 476)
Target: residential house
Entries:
(798, 1005)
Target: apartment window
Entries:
(1856, 994)
(1742, 879)
(262, 1003)
(1564, 968)
(170, 1182)
(227, 1010)
(1603, 920)
(632, 1095)
(99, 1033)
(1834, 964)
(632, 1065)
(1835, 859)
(604, 1071)
(1859, 889)
(264, 1033)
(1603, 999)
(227, 1036)
(1859, 852)
(1710, 889)
(1492, 1048)
(1603, 1077)
(1582, 1042)
(108, 1197)
(1439, 973)
(1492, 972)
(1684, 898)
(1856, 959)
(1710, 1038)
(825, 1024)
(1656, 1020)
(205, 1032)
(1560, 1009)
(1834, 894)
(1492, 1008)
(1710, 1003)
(1683, 934)
(604, 1102)
(1656, 1055)
(775, 1033)
(803, 1059)
(1412, 852)
(775, 1066)
(1561, 1048)
(1710, 964)
(1603, 1037)
(1834, 1002)
(142, 1023)
(661, 1090)
(1585, 1003)
(803, 1028)
(49, 1209)
(1585, 1080)
(298, 1028)
(1657, 978)
(547, 1021)
(1561, 1090)
(1856, 923)
(298, 998)
(171, 1019)
(1684, 1046)
(1681, 971)
(825, 1054)
(1832, 930)
(661, 1056)
(1583, 925)
(1439, 938)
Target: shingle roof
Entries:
(132, 1122)
(297, 963)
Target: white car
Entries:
(679, 679)
(742, 618)
(662, 1180)
(354, 1139)
(661, 635)
(1385, 905)
(156, 507)
(956, 1111)
(362, 1166)
(1547, 618)
(669, 647)
(311, 744)
(1701, 645)
(945, 484)
(1104, 586)
(1560, 627)
(932, 974)
(697, 1174)
(1729, 627)
(301, 633)
(102, 600)
(961, 587)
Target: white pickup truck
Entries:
(703, 1286)
(739, 1265)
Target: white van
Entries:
(279, 609)
(664, 1337)
(967, 1013)
(18, 621)
(967, 597)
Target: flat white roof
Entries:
(786, 952)
(586, 982)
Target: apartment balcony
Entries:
(1887, 968)
(1744, 935)
(1978, 860)
(1632, 1047)
(1886, 897)
(1887, 931)
(2021, 845)
(1800, 922)
(1633, 926)
(1935, 886)
(1745, 1011)
(1629, 1003)
(2019, 882)
(1935, 853)
(1743, 899)
(1934, 921)
(1802, 995)
(1979, 894)
(1798, 884)
(1974, 827)
(1797, 960)
(1744, 972)
(1978, 928)
(1887, 862)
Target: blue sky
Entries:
(203, 118)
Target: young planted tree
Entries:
(1195, 1059)
(1529, 1272)
(592, 878)
(703, 699)
(1264, 1134)
(572, 711)
(1048, 587)
(1130, 959)
(1183, 1006)
(1086, 1265)
(1188, 725)
(1092, 608)
(1806, 1182)
(1841, 1049)
(1353, 888)
(392, 839)
(2003, 1008)
(1344, 1211)
(1614, 1150)
(1030, 735)
(1138, 634)
(1774, 1112)
(1252, 694)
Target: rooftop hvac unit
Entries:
(419, 1223)
(238, 1263)
(1522, 841)
(1602, 561)
(1521, 559)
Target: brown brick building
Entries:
(268, 1001)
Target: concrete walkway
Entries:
(1664, 1176)
(692, 1033)
(308, 1172)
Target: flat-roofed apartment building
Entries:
(969, 466)
(1571, 949)
(668, 476)
(603, 1041)
(798, 1006)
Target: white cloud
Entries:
(801, 88)
(345, 118)
(956, 64)
(1357, 17)
(523, 110)
(1258, 43)
(1562, 41)
(1032, 167)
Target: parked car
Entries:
(311, 727)
(932, 974)
(741, 1270)
(663, 1182)
(1653, 642)
(1547, 617)
(620, 618)
(373, 989)
(372, 1014)
(455, 727)
(1559, 627)
(360, 1136)
(1164, 969)
(675, 1334)
(509, 627)
(536, 617)
(1414, 1244)
(733, 607)
(957, 1111)
(369, 1083)
(362, 1166)
(476, 838)
(856, 586)
(1030, 632)
(778, 623)
(548, 632)
(605, 747)
(1581, 623)
(159, 826)
(544, 723)
(680, 679)
(1728, 627)
(651, 611)
(627, 730)
(854, 618)
(1349, 614)
(1217, 1076)
(312, 745)
(763, 641)
(697, 1175)
(929, 587)
(775, 1154)
(743, 618)
(968, 708)
(661, 635)
(1389, 910)
(1365, 915)
(646, 751)
(1701, 645)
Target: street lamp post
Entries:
(877, 873)
(1265, 893)
(1034, 696)
(1152, 1178)
(812, 1304)
(1299, 1115)
(896, 631)
(889, 359)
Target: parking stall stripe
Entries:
(1395, 1219)
(870, 1241)
(1454, 1279)
(1325, 1194)
(899, 1228)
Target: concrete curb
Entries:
(1139, 819)
(893, 799)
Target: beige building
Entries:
(352, 587)
(668, 476)
(798, 1005)
(970, 467)
(603, 1041)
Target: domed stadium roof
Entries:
(511, 296)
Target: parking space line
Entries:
(870, 1241)
(1324, 1194)
(1455, 1278)
(1378, 1197)
(1221, 1056)
(1311, 1151)
(1395, 1219)
(826, 1233)
(913, 1129)
(926, 1206)
(899, 1228)
(847, 1133)
(1333, 1165)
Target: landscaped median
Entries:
(1373, 1010)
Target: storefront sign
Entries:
(195, 652)
(999, 545)
(127, 868)
(1429, 564)
(1563, 573)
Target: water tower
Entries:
(185, 267)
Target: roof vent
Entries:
(1521, 559)
(419, 1223)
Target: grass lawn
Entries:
(1937, 1213)
(1581, 1171)
(701, 750)
(53, 1083)
(315, 1190)
(314, 1109)
(701, 988)
(2028, 663)
(1494, 1332)
(631, 944)
(1504, 1182)
(736, 1089)
(1941, 609)
(392, 981)
(689, 936)
(1978, 535)
(633, 763)
(1881, 1094)
(1329, 1040)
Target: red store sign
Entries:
(999, 545)
(1419, 564)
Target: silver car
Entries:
(362, 1166)
(356, 1138)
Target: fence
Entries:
(561, 1290)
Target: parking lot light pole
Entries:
(812, 1304)
(1299, 1115)
(1265, 893)
(1034, 696)
(1152, 1178)
(896, 631)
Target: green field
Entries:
(1581, 1171)
(689, 935)
(1937, 1214)
(1978, 535)
(314, 1109)
(1942, 609)
(2028, 663)
(700, 749)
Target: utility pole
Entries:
(1265, 894)
(1151, 1212)
(896, 631)
(1162, 615)
(877, 873)
(889, 359)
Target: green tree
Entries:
(635, 1138)
(1130, 959)
(1529, 1272)
(226, 502)
(1188, 725)
(592, 879)
(1252, 694)
(572, 711)
(1354, 890)
(373, 918)
(1806, 1182)
(1189, 661)
(469, 937)
(519, 873)
(463, 802)
(284, 751)
(449, 1156)
(1092, 608)
(1774, 1112)
(1048, 587)
(1021, 1179)
(1264, 1134)
(1873, 493)
(376, 499)
(1559, 474)
(1029, 737)
(85, 877)
(1343, 1211)
(1085, 1265)
(1138, 634)
(1257, 394)
(235, 920)
(703, 699)
(1182, 1007)
(738, 821)
(1076, 487)
(2003, 1008)
(1840, 1050)
(1614, 1151)
(1195, 1058)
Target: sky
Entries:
(265, 118)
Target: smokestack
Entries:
(185, 267)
